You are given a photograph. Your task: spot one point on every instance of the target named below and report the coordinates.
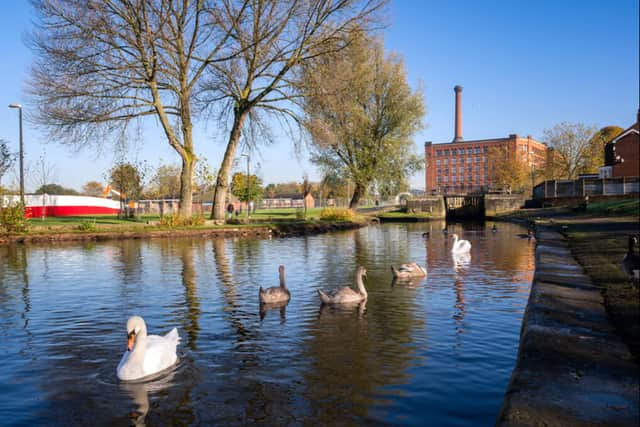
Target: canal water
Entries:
(435, 351)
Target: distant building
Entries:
(622, 154)
(288, 201)
(463, 167)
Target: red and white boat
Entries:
(39, 205)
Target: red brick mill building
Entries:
(463, 167)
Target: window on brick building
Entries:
(438, 162)
(461, 170)
(453, 161)
(477, 150)
(446, 178)
(445, 162)
(469, 150)
(446, 152)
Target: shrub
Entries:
(171, 220)
(12, 218)
(87, 225)
(197, 220)
(336, 214)
(300, 213)
(175, 220)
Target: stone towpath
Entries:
(572, 368)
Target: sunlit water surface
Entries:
(437, 351)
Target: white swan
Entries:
(146, 355)
(460, 246)
(346, 295)
(275, 294)
(411, 269)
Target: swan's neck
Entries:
(282, 285)
(361, 289)
(140, 346)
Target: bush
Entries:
(175, 220)
(87, 225)
(197, 220)
(171, 220)
(336, 214)
(300, 213)
(12, 218)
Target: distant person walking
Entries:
(230, 210)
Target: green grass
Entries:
(615, 207)
(98, 219)
(402, 214)
(601, 254)
(284, 214)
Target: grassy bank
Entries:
(600, 252)
(279, 221)
(405, 216)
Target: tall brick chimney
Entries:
(458, 137)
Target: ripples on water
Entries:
(436, 351)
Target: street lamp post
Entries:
(19, 107)
(248, 185)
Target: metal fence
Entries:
(616, 186)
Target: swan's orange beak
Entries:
(131, 339)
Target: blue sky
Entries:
(524, 65)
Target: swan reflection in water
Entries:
(409, 283)
(139, 393)
(461, 261)
(358, 308)
(266, 307)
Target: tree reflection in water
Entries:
(192, 302)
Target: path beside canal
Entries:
(572, 368)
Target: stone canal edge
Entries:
(572, 368)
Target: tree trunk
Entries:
(220, 193)
(188, 158)
(186, 187)
(358, 192)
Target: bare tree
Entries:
(6, 160)
(102, 64)
(44, 174)
(275, 37)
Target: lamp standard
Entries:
(248, 185)
(19, 107)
